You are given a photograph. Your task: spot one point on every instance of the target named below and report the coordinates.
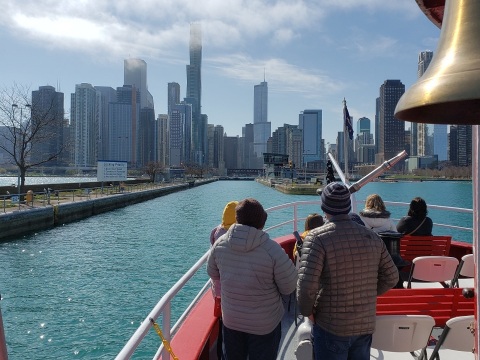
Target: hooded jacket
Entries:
(377, 221)
(344, 267)
(254, 272)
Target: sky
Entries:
(312, 53)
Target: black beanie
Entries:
(336, 199)
(250, 212)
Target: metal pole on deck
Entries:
(476, 220)
(345, 141)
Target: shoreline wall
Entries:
(24, 222)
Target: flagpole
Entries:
(345, 139)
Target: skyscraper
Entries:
(310, 122)
(218, 149)
(391, 135)
(162, 139)
(440, 139)
(135, 74)
(249, 158)
(109, 95)
(84, 122)
(194, 95)
(173, 95)
(364, 147)
(47, 117)
(363, 125)
(180, 130)
(461, 145)
(377, 124)
(123, 116)
(419, 131)
(262, 129)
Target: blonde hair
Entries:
(375, 202)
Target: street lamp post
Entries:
(15, 106)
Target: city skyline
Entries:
(312, 53)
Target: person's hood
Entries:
(245, 238)
(228, 217)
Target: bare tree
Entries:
(26, 127)
(154, 168)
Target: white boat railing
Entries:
(163, 307)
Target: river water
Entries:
(79, 291)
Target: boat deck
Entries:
(289, 342)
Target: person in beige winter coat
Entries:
(254, 272)
(375, 216)
(343, 268)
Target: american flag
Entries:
(348, 121)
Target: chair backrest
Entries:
(456, 335)
(468, 267)
(415, 246)
(433, 268)
(465, 268)
(402, 333)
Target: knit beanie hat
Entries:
(228, 217)
(336, 199)
(250, 212)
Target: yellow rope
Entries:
(166, 344)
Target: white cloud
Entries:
(281, 76)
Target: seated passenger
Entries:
(375, 216)
(416, 222)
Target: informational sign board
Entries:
(111, 170)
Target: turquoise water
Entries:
(81, 290)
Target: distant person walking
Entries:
(343, 268)
(375, 216)
(254, 272)
(416, 223)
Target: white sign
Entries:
(111, 170)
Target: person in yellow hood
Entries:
(228, 219)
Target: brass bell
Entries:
(449, 90)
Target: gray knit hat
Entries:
(336, 199)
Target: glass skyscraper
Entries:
(135, 74)
(262, 129)
(194, 95)
(47, 118)
(391, 135)
(310, 121)
(419, 131)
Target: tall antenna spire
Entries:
(264, 74)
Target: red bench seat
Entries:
(441, 304)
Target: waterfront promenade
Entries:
(40, 211)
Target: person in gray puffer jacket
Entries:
(254, 271)
(343, 268)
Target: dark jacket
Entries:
(344, 267)
(407, 224)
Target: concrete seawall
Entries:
(19, 223)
